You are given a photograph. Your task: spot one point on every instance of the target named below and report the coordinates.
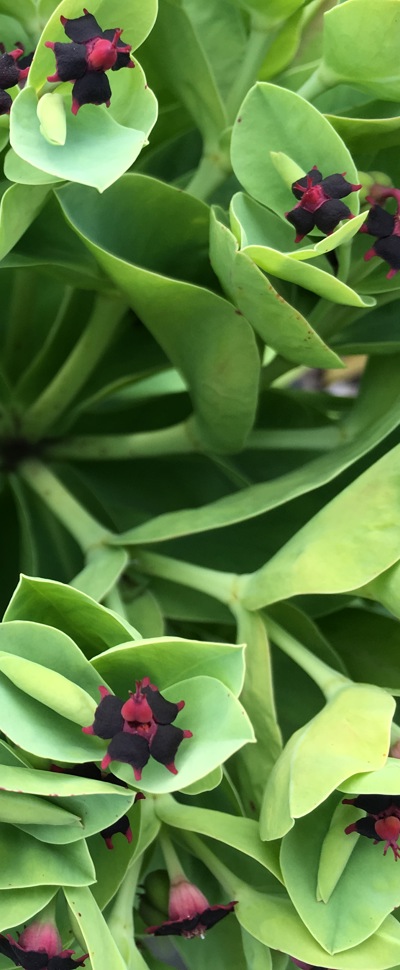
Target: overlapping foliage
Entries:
(189, 506)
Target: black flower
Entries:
(381, 822)
(319, 202)
(139, 728)
(386, 227)
(10, 74)
(39, 948)
(190, 912)
(84, 62)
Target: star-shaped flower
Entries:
(93, 51)
(319, 202)
(190, 912)
(382, 821)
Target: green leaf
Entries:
(19, 905)
(359, 132)
(335, 850)
(36, 643)
(19, 207)
(27, 862)
(274, 119)
(355, 634)
(163, 660)
(209, 343)
(175, 45)
(365, 894)
(49, 688)
(101, 574)
(25, 808)
(274, 921)
(266, 240)
(85, 157)
(93, 627)
(353, 729)
(353, 34)
(274, 13)
(250, 768)
(240, 833)
(199, 755)
(374, 415)
(80, 806)
(385, 781)
(360, 529)
(279, 324)
(93, 930)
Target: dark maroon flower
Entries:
(190, 912)
(139, 728)
(10, 74)
(386, 227)
(39, 946)
(84, 62)
(90, 770)
(382, 821)
(319, 202)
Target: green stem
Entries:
(82, 526)
(312, 439)
(172, 862)
(19, 320)
(230, 882)
(260, 40)
(212, 172)
(319, 82)
(78, 367)
(175, 440)
(35, 366)
(217, 584)
(328, 680)
(113, 601)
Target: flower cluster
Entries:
(319, 202)
(139, 727)
(381, 822)
(93, 51)
(190, 913)
(10, 75)
(39, 948)
(386, 227)
(90, 770)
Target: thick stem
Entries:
(19, 320)
(80, 524)
(328, 680)
(230, 882)
(217, 584)
(316, 84)
(175, 440)
(71, 377)
(257, 47)
(172, 862)
(210, 174)
(308, 439)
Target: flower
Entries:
(93, 51)
(39, 946)
(382, 821)
(319, 203)
(90, 770)
(189, 911)
(10, 74)
(139, 727)
(386, 227)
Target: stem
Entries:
(312, 439)
(210, 174)
(22, 300)
(217, 584)
(39, 359)
(82, 360)
(328, 680)
(230, 882)
(316, 84)
(113, 601)
(168, 441)
(82, 526)
(260, 40)
(172, 862)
